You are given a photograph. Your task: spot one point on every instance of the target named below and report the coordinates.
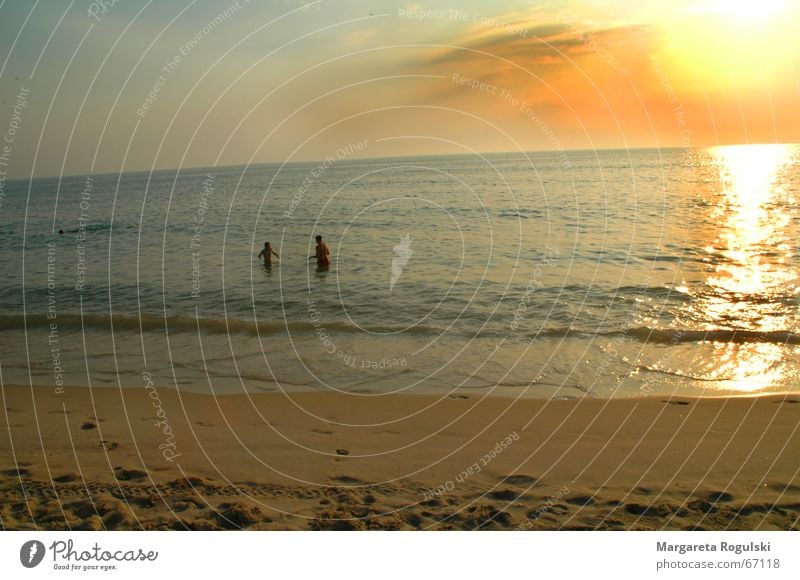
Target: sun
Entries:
(744, 10)
(734, 43)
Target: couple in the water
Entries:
(322, 254)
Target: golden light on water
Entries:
(751, 275)
(754, 244)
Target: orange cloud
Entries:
(612, 86)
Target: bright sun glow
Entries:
(739, 42)
(744, 9)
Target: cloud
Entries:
(360, 37)
(592, 85)
(559, 43)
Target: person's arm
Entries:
(261, 253)
(276, 254)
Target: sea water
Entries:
(581, 274)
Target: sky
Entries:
(130, 85)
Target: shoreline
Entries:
(113, 458)
(535, 392)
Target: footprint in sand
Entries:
(719, 497)
(16, 472)
(503, 495)
(783, 488)
(322, 431)
(88, 425)
(109, 445)
(346, 479)
(520, 479)
(129, 474)
(676, 402)
(581, 500)
(342, 452)
(702, 505)
(66, 478)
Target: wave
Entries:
(675, 336)
(665, 292)
(185, 323)
(103, 226)
(680, 336)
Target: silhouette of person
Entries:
(322, 255)
(268, 252)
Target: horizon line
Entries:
(350, 160)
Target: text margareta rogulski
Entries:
(721, 547)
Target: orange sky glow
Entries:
(295, 82)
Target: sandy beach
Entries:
(154, 458)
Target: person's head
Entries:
(266, 245)
(319, 239)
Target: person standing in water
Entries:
(322, 255)
(268, 252)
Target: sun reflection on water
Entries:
(751, 285)
(754, 242)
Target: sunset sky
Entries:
(269, 81)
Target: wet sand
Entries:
(154, 458)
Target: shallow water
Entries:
(605, 274)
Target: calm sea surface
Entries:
(601, 274)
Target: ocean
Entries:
(560, 275)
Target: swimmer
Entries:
(268, 252)
(322, 255)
